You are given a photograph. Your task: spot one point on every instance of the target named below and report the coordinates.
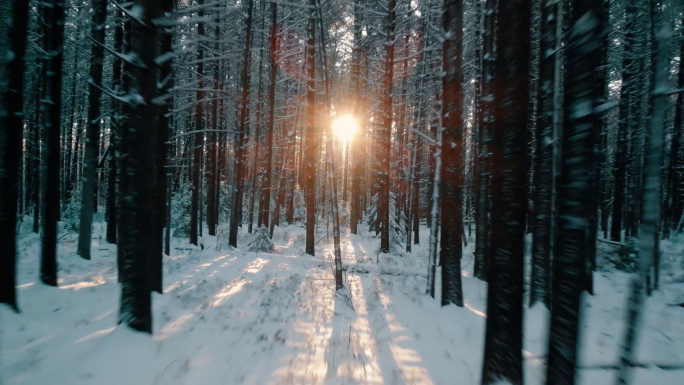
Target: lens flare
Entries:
(344, 127)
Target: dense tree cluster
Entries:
(558, 118)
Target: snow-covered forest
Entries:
(342, 192)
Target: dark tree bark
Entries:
(166, 80)
(598, 121)
(543, 178)
(116, 121)
(503, 340)
(211, 148)
(199, 136)
(138, 212)
(50, 199)
(355, 214)
(236, 211)
(385, 141)
(266, 189)
(675, 190)
(486, 121)
(310, 137)
(69, 132)
(626, 91)
(452, 155)
(90, 160)
(577, 146)
(11, 126)
(257, 132)
(122, 160)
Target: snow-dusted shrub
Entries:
(180, 211)
(299, 205)
(72, 211)
(262, 242)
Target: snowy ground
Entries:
(238, 317)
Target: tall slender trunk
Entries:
(97, 34)
(543, 178)
(355, 214)
(503, 340)
(123, 158)
(266, 190)
(310, 137)
(598, 122)
(69, 132)
(675, 190)
(138, 209)
(11, 126)
(452, 155)
(235, 212)
(115, 129)
(577, 146)
(257, 132)
(199, 136)
(628, 82)
(166, 83)
(486, 121)
(385, 141)
(211, 145)
(650, 220)
(50, 199)
(330, 160)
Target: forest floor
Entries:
(238, 317)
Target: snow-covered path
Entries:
(226, 317)
(238, 317)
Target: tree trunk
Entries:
(503, 339)
(211, 146)
(620, 168)
(385, 141)
(90, 160)
(577, 145)
(115, 129)
(675, 192)
(266, 190)
(50, 199)
(452, 155)
(650, 219)
(11, 126)
(543, 178)
(138, 210)
(310, 137)
(199, 136)
(355, 212)
(236, 211)
(166, 80)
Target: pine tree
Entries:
(452, 155)
(236, 211)
(503, 339)
(11, 126)
(310, 137)
(137, 211)
(546, 118)
(385, 142)
(569, 264)
(199, 135)
(50, 198)
(88, 200)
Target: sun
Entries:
(344, 127)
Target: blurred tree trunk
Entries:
(11, 127)
(503, 340)
(88, 199)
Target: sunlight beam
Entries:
(344, 127)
